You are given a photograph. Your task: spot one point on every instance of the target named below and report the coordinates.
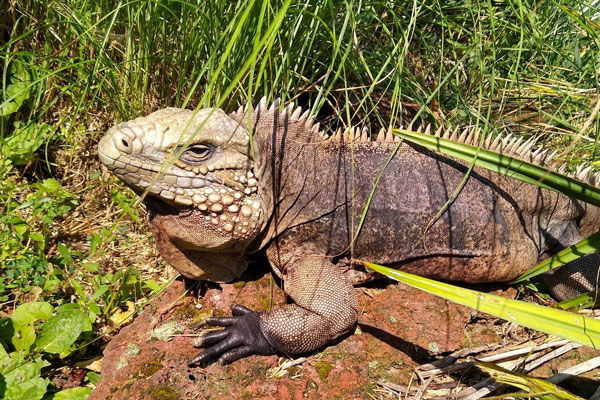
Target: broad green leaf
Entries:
(586, 246)
(50, 185)
(61, 331)
(78, 393)
(93, 377)
(100, 292)
(509, 166)
(91, 267)
(21, 146)
(3, 353)
(23, 319)
(152, 285)
(31, 389)
(67, 307)
(17, 90)
(22, 377)
(37, 236)
(65, 253)
(95, 241)
(11, 361)
(24, 371)
(78, 288)
(24, 337)
(27, 313)
(552, 321)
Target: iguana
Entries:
(220, 186)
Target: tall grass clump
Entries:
(72, 68)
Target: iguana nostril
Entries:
(122, 142)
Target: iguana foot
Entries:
(241, 337)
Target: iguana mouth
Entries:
(159, 206)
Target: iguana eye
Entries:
(197, 154)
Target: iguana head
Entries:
(197, 176)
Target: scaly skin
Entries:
(300, 197)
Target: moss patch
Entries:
(239, 284)
(323, 369)
(149, 369)
(163, 393)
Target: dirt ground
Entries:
(399, 329)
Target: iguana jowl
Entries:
(300, 196)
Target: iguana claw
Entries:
(241, 337)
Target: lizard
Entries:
(219, 186)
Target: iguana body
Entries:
(301, 197)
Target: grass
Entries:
(72, 68)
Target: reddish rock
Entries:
(399, 327)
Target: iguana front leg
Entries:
(325, 307)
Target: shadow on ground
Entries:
(399, 328)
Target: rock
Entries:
(399, 327)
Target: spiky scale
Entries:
(287, 110)
(428, 129)
(550, 157)
(487, 143)
(315, 127)
(476, 135)
(346, 135)
(525, 148)
(364, 134)
(304, 116)
(275, 104)
(389, 136)
(562, 168)
(296, 114)
(262, 104)
(505, 142)
(309, 123)
(514, 144)
(381, 135)
(495, 143)
(338, 135)
(454, 135)
(463, 136)
(541, 155)
(584, 174)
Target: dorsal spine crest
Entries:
(508, 144)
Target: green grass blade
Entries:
(535, 387)
(586, 246)
(506, 165)
(565, 324)
(580, 302)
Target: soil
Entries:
(399, 328)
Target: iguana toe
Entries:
(241, 337)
